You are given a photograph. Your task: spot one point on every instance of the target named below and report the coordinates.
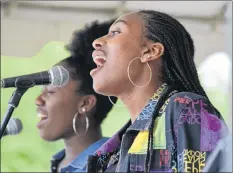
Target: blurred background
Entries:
(33, 35)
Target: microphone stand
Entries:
(22, 85)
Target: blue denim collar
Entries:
(59, 156)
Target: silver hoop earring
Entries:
(74, 124)
(130, 77)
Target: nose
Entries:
(39, 101)
(98, 43)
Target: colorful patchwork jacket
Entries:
(186, 131)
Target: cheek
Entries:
(60, 112)
(56, 106)
(60, 118)
(124, 49)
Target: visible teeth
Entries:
(100, 57)
(41, 116)
(98, 61)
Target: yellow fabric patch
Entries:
(160, 133)
(140, 143)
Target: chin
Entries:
(101, 89)
(48, 137)
(110, 85)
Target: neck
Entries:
(138, 98)
(77, 144)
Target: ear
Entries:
(155, 51)
(87, 104)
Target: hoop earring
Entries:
(74, 124)
(130, 77)
(114, 103)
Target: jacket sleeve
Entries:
(199, 128)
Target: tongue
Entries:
(102, 61)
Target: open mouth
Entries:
(99, 61)
(43, 120)
(42, 117)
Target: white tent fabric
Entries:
(39, 22)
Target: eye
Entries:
(112, 33)
(50, 91)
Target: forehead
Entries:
(133, 21)
(71, 86)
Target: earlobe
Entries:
(145, 58)
(83, 109)
(88, 103)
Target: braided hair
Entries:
(178, 67)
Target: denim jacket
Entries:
(80, 162)
(186, 131)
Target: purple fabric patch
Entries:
(109, 145)
(211, 131)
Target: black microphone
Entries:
(14, 127)
(57, 76)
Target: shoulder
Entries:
(184, 98)
(192, 109)
(96, 145)
(188, 95)
(182, 101)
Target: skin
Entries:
(125, 41)
(61, 105)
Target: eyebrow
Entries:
(120, 21)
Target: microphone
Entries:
(57, 76)
(14, 127)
